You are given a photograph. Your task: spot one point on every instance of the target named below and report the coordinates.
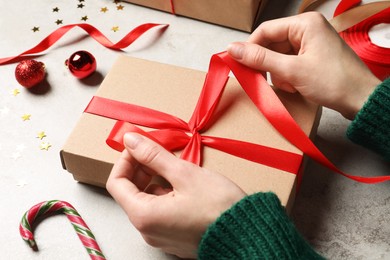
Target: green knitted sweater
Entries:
(257, 227)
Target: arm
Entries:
(257, 227)
(370, 128)
(175, 219)
(304, 53)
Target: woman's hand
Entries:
(173, 219)
(304, 53)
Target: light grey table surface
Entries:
(341, 218)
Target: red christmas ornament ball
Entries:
(81, 64)
(30, 72)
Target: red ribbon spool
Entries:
(377, 58)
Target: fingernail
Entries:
(132, 140)
(236, 50)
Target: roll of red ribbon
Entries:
(377, 58)
(353, 22)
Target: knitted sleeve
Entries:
(257, 227)
(371, 126)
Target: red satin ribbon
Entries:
(172, 7)
(345, 5)
(377, 58)
(173, 132)
(92, 31)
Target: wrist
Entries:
(354, 101)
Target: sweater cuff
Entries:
(257, 227)
(370, 128)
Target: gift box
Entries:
(238, 14)
(175, 91)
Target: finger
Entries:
(120, 186)
(279, 30)
(154, 158)
(260, 58)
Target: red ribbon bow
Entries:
(172, 131)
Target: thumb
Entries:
(260, 58)
(152, 157)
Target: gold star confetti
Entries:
(116, 1)
(41, 135)
(84, 18)
(115, 28)
(15, 92)
(81, 1)
(80, 5)
(119, 7)
(45, 146)
(55, 10)
(103, 9)
(35, 29)
(26, 117)
(58, 22)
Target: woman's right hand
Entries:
(304, 53)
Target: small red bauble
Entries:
(30, 72)
(81, 64)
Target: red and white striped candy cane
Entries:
(57, 206)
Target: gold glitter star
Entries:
(26, 117)
(15, 92)
(115, 28)
(58, 22)
(80, 5)
(116, 1)
(81, 1)
(119, 7)
(55, 10)
(41, 135)
(103, 9)
(35, 29)
(45, 146)
(84, 18)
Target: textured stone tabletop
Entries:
(341, 218)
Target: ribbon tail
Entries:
(269, 104)
(272, 157)
(53, 37)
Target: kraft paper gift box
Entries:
(238, 14)
(175, 91)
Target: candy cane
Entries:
(57, 206)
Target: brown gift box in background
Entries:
(237, 14)
(175, 90)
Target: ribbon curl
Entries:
(172, 132)
(53, 37)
